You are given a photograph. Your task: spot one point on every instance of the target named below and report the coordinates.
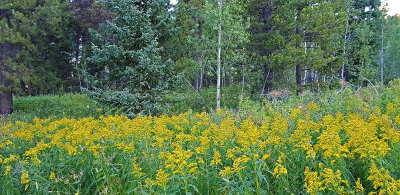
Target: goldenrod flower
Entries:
(279, 170)
(24, 177)
(313, 183)
(162, 177)
(226, 172)
(136, 172)
(216, 160)
(359, 186)
(7, 171)
(52, 175)
(312, 106)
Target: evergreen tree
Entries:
(365, 41)
(35, 44)
(86, 14)
(305, 38)
(135, 75)
(392, 48)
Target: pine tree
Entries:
(392, 46)
(135, 75)
(365, 40)
(305, 36)
(35, 46)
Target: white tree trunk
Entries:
(220, 3)
(382, 59)
(344, 50)
(241, 97)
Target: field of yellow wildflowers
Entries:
(302, 152)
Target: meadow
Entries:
(343, 143)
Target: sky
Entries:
(393, 6)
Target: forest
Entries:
(199, 97)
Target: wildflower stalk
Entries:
(256, 177)
(149, 189)
(184, 180)
(241, 179)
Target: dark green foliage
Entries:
(135, 75)
(87, 14)
(38, 34)
(260, 13)
(392, 48)
(366, 21)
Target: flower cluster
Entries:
(198, 152)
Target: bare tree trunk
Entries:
(265, 82)
(6, 103)
(305, 76)
(241, 97)
(305, 68)
(206, 76)
(196, 83)
(382, 61)
(298, 66)
(201, 78)
(298, 79)
(223, 74)
(220, 3)
(7, 51)
(344, 50)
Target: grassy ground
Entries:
(332, 101)
(53, 107)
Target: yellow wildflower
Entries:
(239, 162)
(359, 186)
(265, 156)
(216, 160)
(312, 106)
(52, 175)
(226, 172)
(162, 177)
(136, 169)
(7, 171)
(312, 181)
(295, 112)
(25, 177)
(332, 180)
(279, 170)
(12, 158)
(390, 108)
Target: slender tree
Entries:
(220, 6)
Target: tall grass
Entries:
(53, 107)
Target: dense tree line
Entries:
(128, 53)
